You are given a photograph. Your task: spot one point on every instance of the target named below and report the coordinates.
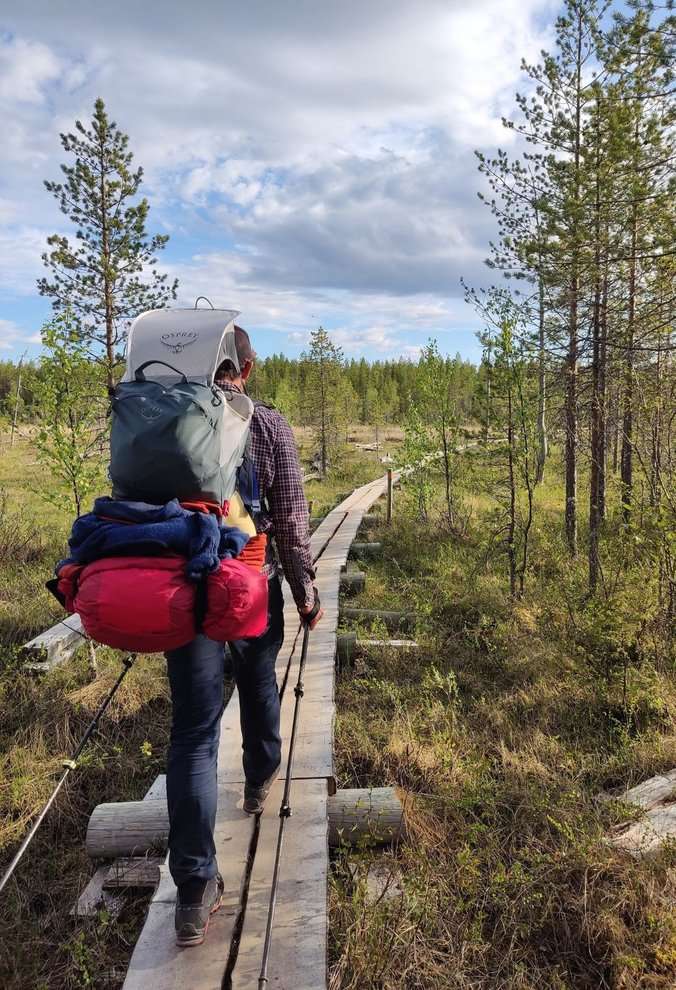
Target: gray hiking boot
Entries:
(254, 797)
(196, 902)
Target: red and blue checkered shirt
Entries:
(284, 516)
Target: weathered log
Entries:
(352, 582)
(391, 620)
(647, 836)
(127, 828)
(365, 816)
(373, 816)
(348, 646)
(660, 789)
(656, 797)
(360, 550)
(54, 645)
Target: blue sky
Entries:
(312, 161)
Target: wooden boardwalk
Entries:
(231, 955)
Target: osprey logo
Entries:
(149, 410)
(179, 340)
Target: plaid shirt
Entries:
(275, 457)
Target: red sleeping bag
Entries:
(147, 604)
(237, 602)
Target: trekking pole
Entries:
(69, 765)
(284, 812)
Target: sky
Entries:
(312, 160)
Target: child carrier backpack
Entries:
(176, 437)
(174, 432)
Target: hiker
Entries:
(270, 489)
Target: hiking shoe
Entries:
(196, 902)
(254, 797)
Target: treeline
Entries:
(587, 238)
(370, 391)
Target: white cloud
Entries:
(307, 158)
(21, 249)
(13, 338)
(26, 67)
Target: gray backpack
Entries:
(174, 433)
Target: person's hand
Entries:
(311, 614)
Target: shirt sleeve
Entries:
(289, 511)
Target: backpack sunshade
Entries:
(174, 433)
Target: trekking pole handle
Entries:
(140, 377)
(308, 618)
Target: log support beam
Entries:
(371, 816)
(352, 582)
(361, 550)
(391, 620)
(349, 646)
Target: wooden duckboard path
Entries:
(246, 846)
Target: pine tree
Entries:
(107, 274)
(322, 394)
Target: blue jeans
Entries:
(196, 678)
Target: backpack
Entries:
(174, 433)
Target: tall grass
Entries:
(503, 729)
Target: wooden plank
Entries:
(94, 898)
(54, 645)
(157, 962)
(298, 957)
(157, 790)
(133, 871)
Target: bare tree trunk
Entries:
(573, 341)
(511, 531)
(656, 431)
(542, 386)
(627, 454)
(603, 390)
(571, 423)
(615, 415)
(105, 264)
(17, 397)
(597, 452)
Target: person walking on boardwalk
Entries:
(270, 503)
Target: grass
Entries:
(504, 727)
